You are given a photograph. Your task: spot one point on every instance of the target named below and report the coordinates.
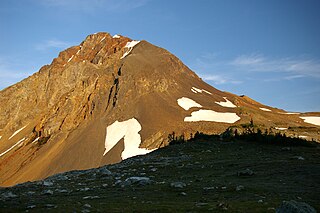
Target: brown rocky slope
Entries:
(56, 120)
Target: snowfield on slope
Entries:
(311, 120)
(187, 103)
(130, 45)
(210, 115)
(129, 130)
(227, 103)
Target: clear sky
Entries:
(266, 49)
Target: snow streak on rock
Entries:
(102, 39)
(197, 90)
(193, 90)
(129, 130)
(35, 140)
(265, 109)
(281, 128)
(70, 58)
(16, 132)
(187, 103)
(16, 144)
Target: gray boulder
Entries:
(178, 185)
(47, 183)
(246, 172)
(47, 192)
(295, 207)
(137, 180)
(104, 171)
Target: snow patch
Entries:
(102, 39)
(281, 128)
(302, 136)
(207, 92)
(210, 115)
(195, 90)
(77, 52)
(129, 130)
(16, 132)
(116, 36)
(16, 144)
(290, 113)
(187, 103)
(226, 104)
(70, 58)
(0, 137)
(265, 109)
(35, 140)
(312, 120)
(130, 45)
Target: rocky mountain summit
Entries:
(111, 98)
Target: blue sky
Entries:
(266, 49)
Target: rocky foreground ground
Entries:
(198, 176)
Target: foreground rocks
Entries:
(182, 178)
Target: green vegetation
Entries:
(250, 172)
(248, 132)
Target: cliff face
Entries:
(106, 97)
(60, 93)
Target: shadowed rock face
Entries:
(67, 106)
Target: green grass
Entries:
(209, 168)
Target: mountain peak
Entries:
(95, 49)
(111, 97)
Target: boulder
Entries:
(178, 185)
(295, 207)
(137, 180)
